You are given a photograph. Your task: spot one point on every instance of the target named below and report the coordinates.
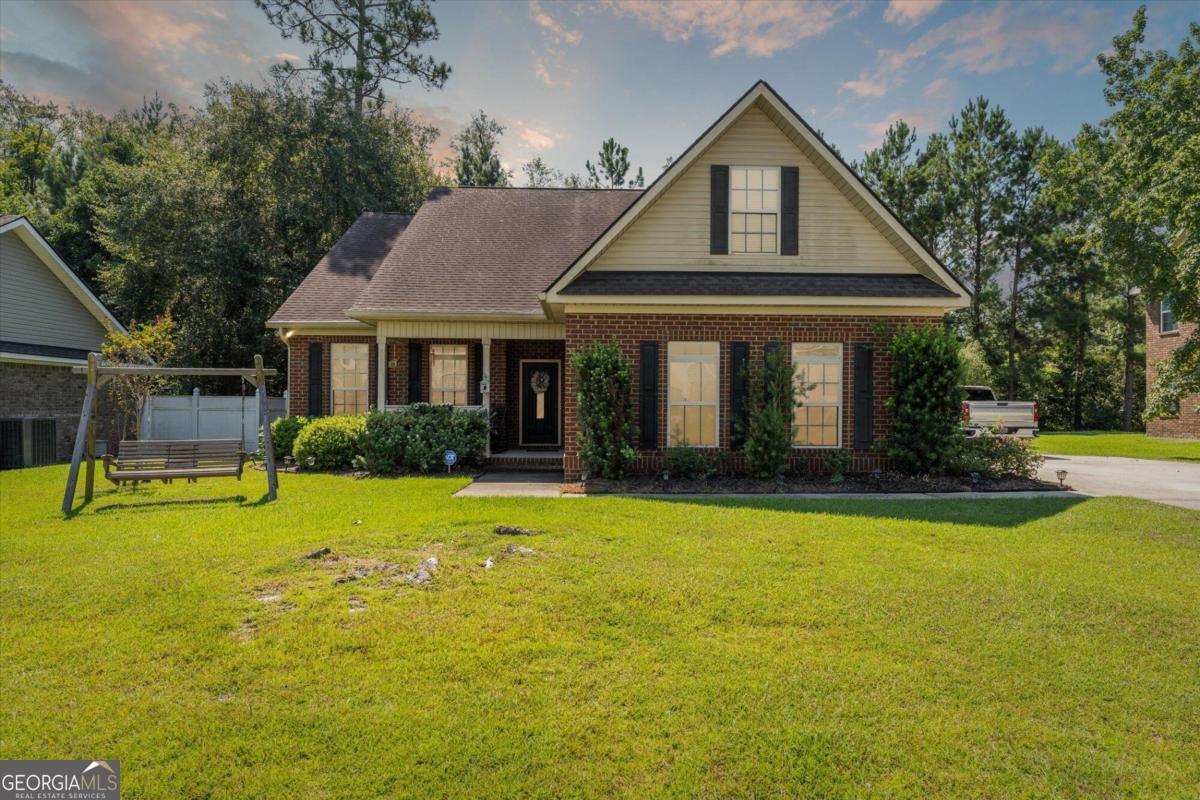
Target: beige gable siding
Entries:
(35, 306)
(674, 233)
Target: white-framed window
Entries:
(1167, 323)
(349, 377)
(693, 389)
(817, 422)
(448, 374)
(754, 209)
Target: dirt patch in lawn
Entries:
(864, 484)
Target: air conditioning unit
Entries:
(28, 442)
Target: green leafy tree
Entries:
(219, 222)
(1155, 132)
(974, 176)
(900, 173)
(360, 45)
(539, 174)
(150, 344)
(1031, 217)
(612, 166)
(477, 155)
(604, 404)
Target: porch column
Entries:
(380, 371)
(485, 379)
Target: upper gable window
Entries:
(754, 209)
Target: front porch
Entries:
(519, 381)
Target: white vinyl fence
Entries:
(199, 416)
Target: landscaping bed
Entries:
(854, 484)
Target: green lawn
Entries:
(739, 648)
(1126, 445)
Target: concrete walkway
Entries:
(515, 484)
(1175, 483)
(1170, 482)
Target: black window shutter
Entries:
(477, 360)
(718, 210)
(414, 372)
(648, 395)
(789, 211)
(316, 363)
(739, 389)
(864, 395)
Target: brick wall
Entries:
(45, 392)
(631, 329)
(1159, 347)
(298, 370)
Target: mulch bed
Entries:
(856, 484)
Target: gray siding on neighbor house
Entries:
(35, 306)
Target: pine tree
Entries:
(612, 166)
(359, 46)
(477, 161)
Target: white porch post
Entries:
(485, 377)
(381, 371)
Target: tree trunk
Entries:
(359, 56)
(1012, 324)
(1080, 360)
(1130, 346)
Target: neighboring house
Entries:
(1164, 333)
(49, 321)
(757, 236)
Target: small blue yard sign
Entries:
(449, 458)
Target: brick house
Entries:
(758, 236)
(49, 322)
(1164, 333)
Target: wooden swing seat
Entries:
(166, 459)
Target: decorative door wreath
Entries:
(540, 383)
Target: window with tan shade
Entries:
(817, 422)
(448, 374)
(349, 371)
(693, 388)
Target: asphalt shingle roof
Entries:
(339, 277)
(678, 282)
(489, 251)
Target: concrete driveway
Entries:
(1175, 483)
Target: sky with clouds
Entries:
(562, 76)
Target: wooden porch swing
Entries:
(190, 459)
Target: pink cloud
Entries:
(536, 138)
(556, 32)
(759, 28)
(909, 12)
(986, 41)
(916, 118)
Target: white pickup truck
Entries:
(981, 411)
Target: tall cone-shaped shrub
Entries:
(926, 399)
(604, 403)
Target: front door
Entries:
(540, 398)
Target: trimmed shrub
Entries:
(329, 442)
(417, 437)
(837, 464)
(604, 402)
(284, 431)
(994, 456)
(773, 397)
(926, 400)
(689, 463)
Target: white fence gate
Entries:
(208, 417)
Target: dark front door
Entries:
(540, 395)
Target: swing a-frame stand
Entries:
(97, 376)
